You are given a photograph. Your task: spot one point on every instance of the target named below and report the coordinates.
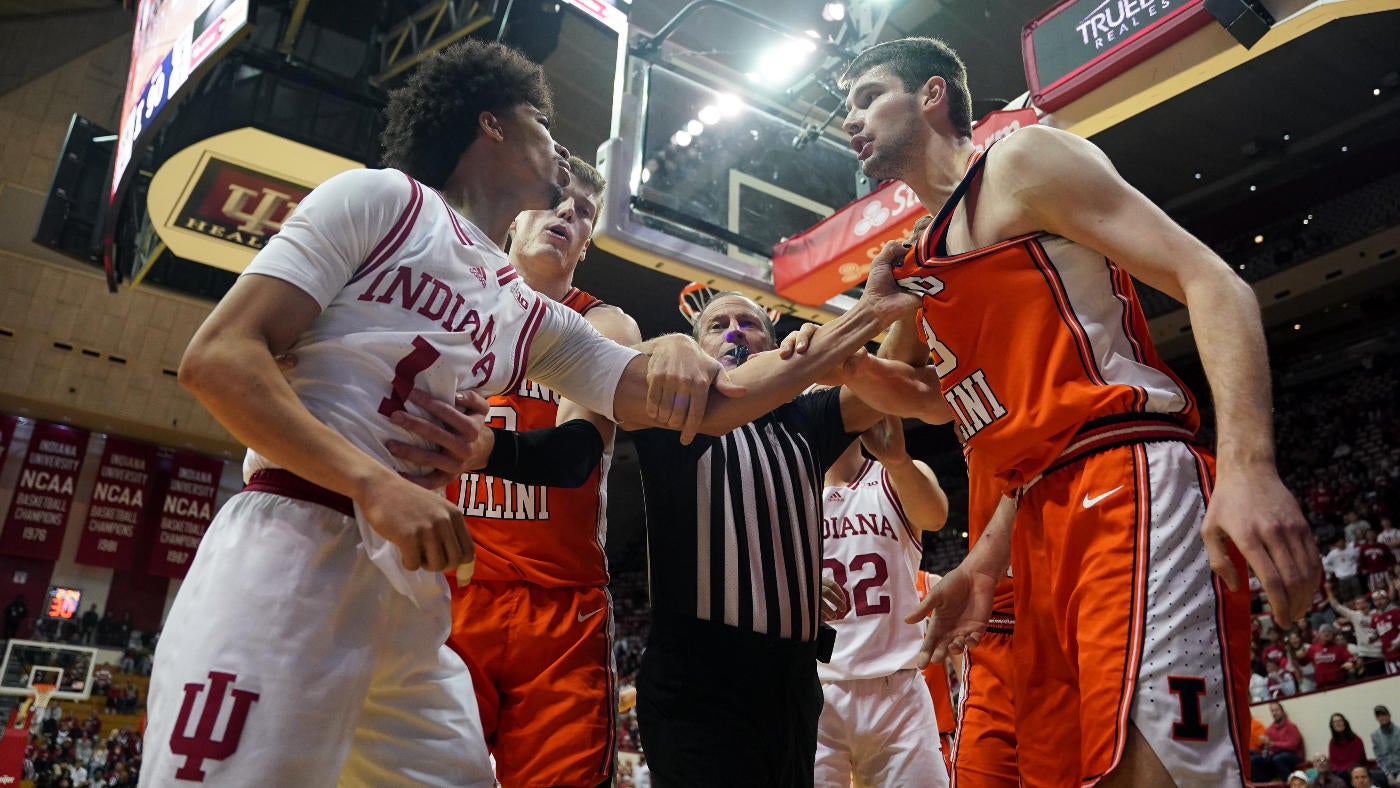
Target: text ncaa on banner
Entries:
(44, 493)
(117, 502)
(185, 513)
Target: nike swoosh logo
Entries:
(582, 617)
(1089, 502)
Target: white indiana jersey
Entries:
(414, 295)
(873, 552)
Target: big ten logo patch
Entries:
(204, 743)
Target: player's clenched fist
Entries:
(425, 526)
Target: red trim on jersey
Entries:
(887, 487)
(393, 239)
(508, 278)
(456, 222)
(522, 348)
(276, 481)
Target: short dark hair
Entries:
(697, 329)
(432, 119)
(915, 60)
(587, 173)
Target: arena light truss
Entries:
(427, 30)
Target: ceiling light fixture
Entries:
(682, 138)
(834, 12)
(710, 114)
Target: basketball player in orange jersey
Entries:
(535, 623)
(1125, 673)
(940, 689)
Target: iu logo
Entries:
(202, 745)
(259, 219)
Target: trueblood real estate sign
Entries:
(44, 494)
(118, 499)
(185, 513)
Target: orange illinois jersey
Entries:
(1032, 338)
(550, 536)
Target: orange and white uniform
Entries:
(535, 623)
(936, 679)
(1044, 357)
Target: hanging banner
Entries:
(118, 499)
(44, 492)
(185, 513)
(7, 431)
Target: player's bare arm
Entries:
(771, 380)
(961, 603)
(925, 503)
(1062, 184)
(618, 326)
(229, 367)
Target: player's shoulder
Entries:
(614, 324)
(1040, 149)
(368, 184)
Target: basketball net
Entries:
(695, 296)
(43, 693)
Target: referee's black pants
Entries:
(722, 707)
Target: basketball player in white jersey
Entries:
(878, 727)
(306, 644)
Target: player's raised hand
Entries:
(426, 527)
(1252, 509)
(458, 430)
(679, 377)
(881, 291)
(961, 606)
(797, 342)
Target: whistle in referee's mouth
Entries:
(737, 354)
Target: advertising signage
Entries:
(1078, 45)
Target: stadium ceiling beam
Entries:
(427, 30)
(289, 36)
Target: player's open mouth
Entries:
(559, 231)
(862, 146)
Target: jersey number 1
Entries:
(420, 358)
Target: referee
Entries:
(728, 690)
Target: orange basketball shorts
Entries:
(984, 746)
(1120, 620)
(541, 664)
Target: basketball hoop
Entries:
(695, 296)
(43, 693)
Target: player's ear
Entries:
(491, 126)
(582, 253)
(932, 92)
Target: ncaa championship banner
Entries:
(185, 513)
(117, 502)
(44, 493)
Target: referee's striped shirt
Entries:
(734, 522)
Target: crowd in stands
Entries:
(66, 753)
(1277, 753)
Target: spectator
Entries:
(1332, 661)
(1358, 613)
(1385, 743)
(1298, 658)
(87, 629)
(1285, 750)
(1361, 777)
(1280, 684)
(15, 614)
(1325, 777)
(1390, 537)
(1346, 749)
(1386, 621)
(1341, 563)
(1298, 780)
(1355, 527)
(1374, 561)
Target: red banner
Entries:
(7, 431)
(118, 499)
(185, 513)
(834, 255)
(44, 493)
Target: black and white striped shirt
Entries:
(734, 522)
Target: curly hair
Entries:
(432, 119)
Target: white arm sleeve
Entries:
(571, 357)
(336, 229)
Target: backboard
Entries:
(30, 662)
(703, 179)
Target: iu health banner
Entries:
(118, 499)
(185, 513)
(44, 494)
